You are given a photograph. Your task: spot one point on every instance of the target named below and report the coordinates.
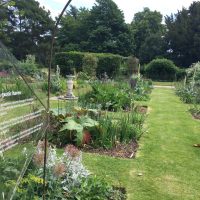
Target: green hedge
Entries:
(68, 61)
(161, 70)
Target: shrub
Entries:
(180, 74)
(29, 67)
(161, 69)
(108, 63)
(5, 65)
(90, 65)
(186, 93)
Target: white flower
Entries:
(24, 151)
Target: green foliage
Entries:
(186, 93)
(95, 188)
(68, 61)
(16, 85)
(103, 130)
(10, 171)
(183, 35)
(109, 96)
(29, 66)
(143, 89)
(113, 130)
(76, 125)
(148, 31)
(57, 85)
(101, 29)
(161, 69)
(27, 29)
(189, 91)
(90, 65)
(5, 65)
(108, 63)
(66, 178)
(115, 96)
(180, 74)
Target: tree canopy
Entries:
(183, 35)
(102, 29)
(148, 33)
(26, 29)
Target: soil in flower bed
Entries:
(121, 150)
(122, 190)
(196, 116)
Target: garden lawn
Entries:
(167, 166)
(163, 83)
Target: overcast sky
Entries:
(129, 7)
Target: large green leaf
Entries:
(86, 121)
(71, 125)
(68, 119)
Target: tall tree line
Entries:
(25, 27)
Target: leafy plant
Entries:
(110, 96)
(76, 125)
(113, 130)
(95, 188)
(189, 90)
(29, 66)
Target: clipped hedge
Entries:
(68, 61)
(161, 70)
(109, 63)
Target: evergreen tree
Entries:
(183, 35)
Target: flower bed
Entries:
(66, 178)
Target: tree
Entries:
(101, 29)
(4, 16)
(183, 35)
(108, 31)
(28, 28)
(73, 32)
(148, 32)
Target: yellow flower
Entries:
(36, 179)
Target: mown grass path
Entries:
(167, 161)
